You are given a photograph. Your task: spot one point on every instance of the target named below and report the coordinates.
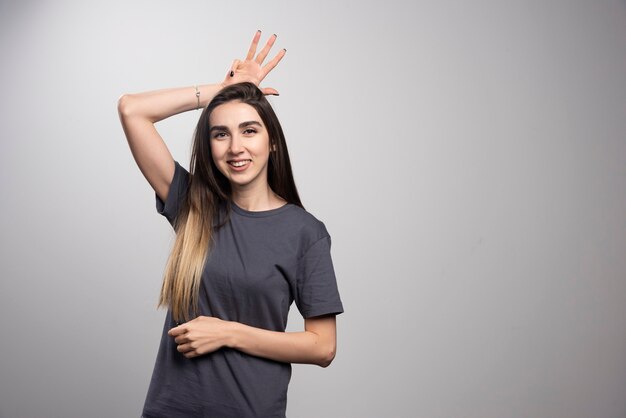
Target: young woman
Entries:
(245, 249)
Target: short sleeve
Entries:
(175, 196)
(316, 285)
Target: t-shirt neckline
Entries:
(259, 213)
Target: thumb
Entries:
(233, 68)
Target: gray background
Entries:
(468, 159)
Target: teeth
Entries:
(239, 163)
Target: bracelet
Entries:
(197, 97)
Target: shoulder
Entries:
(308, 228)
(307, 223)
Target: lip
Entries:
(242, 168)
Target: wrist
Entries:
(232, 331)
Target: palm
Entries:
(251, 69)
(247, 71)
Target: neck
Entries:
(257, 199)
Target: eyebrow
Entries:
(241, 125)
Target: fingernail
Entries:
(232, 73)
(275, 94)
(276, 35)
(285, 49)
(259, 30)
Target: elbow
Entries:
(327, 356)
(124, 105)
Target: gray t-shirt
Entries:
(261, 262)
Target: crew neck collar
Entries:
(259, 213)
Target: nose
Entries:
(235, 144)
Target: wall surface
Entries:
(467, 158)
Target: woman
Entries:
(245, 249)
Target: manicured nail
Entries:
(276, 35)
(285, 49)
(275, 94)
(232, 73)
(259, 30)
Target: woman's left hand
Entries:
(199, 336)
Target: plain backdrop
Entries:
(467, 158)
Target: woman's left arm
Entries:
(315, 345)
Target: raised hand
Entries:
(251, 68)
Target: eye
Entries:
(250, 131)
(219, 135)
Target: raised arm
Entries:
(140, 111)
(138, 114)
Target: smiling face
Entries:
(240, 144)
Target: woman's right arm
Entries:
(139, 112)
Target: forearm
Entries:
(289, 347)
(160, 104)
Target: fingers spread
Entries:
(255, 42)
(261, 57)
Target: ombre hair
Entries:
(207, 205)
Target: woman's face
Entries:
(239, 144)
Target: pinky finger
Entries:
(270, 91)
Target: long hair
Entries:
(209, 192)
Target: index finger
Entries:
(255, 42)
(177, 331)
